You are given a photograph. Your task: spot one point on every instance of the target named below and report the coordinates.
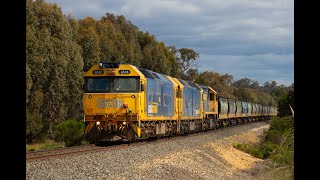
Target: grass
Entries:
(277, 146)
(262, 151)
(276, 173)
(283, 172)
(47, 144)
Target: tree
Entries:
(155, 59)
(54, 66)
(246, 94)
(220, 83)
(74, 80)
(34, 122)
(192, 73)
(268, 87)
(89, 41)
(284, 102)
(186, 57)
(254, 84)
(246, 83)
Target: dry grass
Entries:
(276, 173)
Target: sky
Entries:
(244, 38)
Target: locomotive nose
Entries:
(111, 104)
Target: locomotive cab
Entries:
(112, 97)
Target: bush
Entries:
(284, 154)
(267, 149)
(262, 151)
(281, 124)
(277, 129)
(70, 132)
(279, 143)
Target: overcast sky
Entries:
(244, 38)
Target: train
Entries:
(122, 102)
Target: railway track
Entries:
(60, 152)
(75, 150)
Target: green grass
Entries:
(47, 144)
(259, 151)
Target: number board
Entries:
(97, 71)
(124, 71)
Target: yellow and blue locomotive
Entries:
(124, 102)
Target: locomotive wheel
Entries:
(128, 133)
(130, 136)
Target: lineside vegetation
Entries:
(278, 144)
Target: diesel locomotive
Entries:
(127, 103)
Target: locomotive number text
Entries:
(110, 103)
(124, 71)
(97, 71)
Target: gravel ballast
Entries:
(199, 156)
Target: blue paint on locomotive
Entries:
(160, 93)
(191, 98)
(206, 103)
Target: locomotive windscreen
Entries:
(111, 84)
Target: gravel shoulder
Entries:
(200, 156)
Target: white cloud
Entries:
(253, 34)
(146, 8)
(262, 67)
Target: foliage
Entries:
(186, 57)
(279, 92)
(269, 86)
(264, 151)
(278, 144)
(246, 83)
(220, 83)
(54, 68)
(284, 102)
(278, 127)
(70, 132)
(46, 144)
(284, 154)
(89, 41)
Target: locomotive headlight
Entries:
(124, 123)
(98, 123)
(110, 72)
